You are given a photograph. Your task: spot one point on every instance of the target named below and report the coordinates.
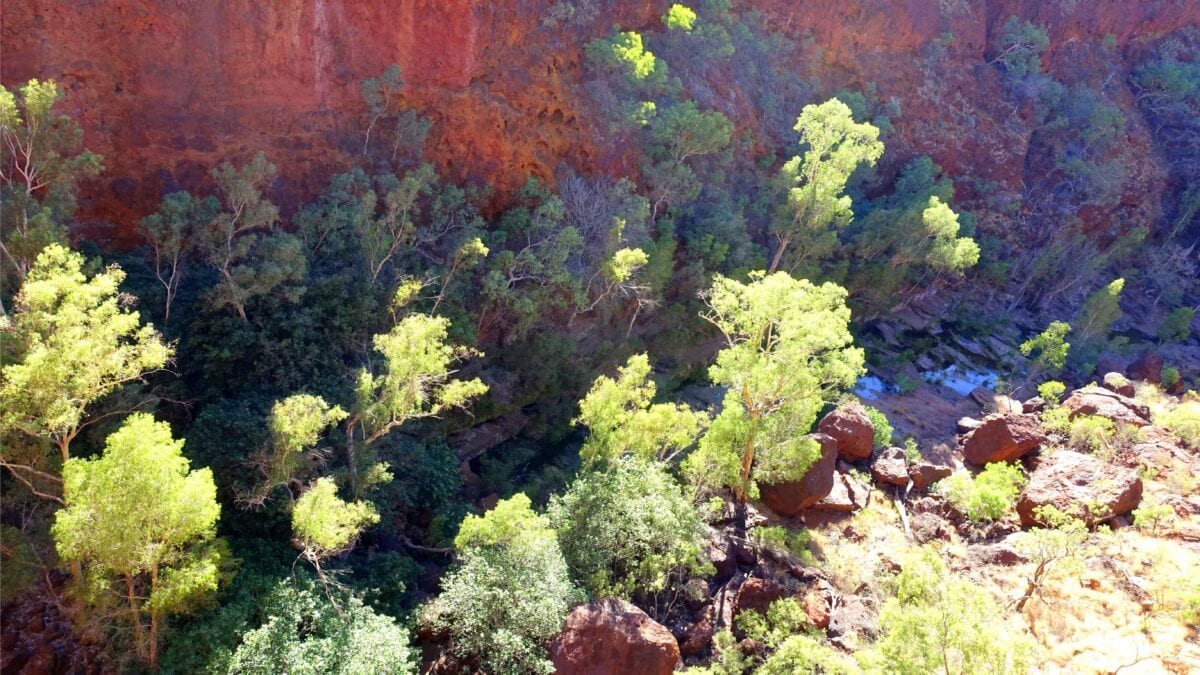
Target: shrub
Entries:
(989, 495)
(1092, 433)
(304, 631)
(1051, 391)
(939, 622)
(779, 539)
(1177, 326)
(1152, 515)
(1184, 421)
(627, 530)
(510, 592)
(881, 425)
(805, 654)
(1170, 376)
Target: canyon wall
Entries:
(167, 89)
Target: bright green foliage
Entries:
(1177, 325)
(621, 419)
(172, 234)
(1051, 347)
(296, 424)
(623, 52)
(1019, 46)
(817, 206)
(881, 425)
(783, 619)
(137, 517)
(1099, 311)
(1170, 376)
(788, 353)
(1051, 391)
(1152, 515)
(628, 529)
(805, 654)
(327, 525)
(415, 378)
(942, 249)
(941, 622)
(77, 342)
(1092, 433)
(1184, 421)
(989, 495)
(42, 159)
(242, 244)
(510, 592)
(679, 17)
(305, 633)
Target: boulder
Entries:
(1002, 438)
(854, 615)
(757, 595)
(720, 551)
(847, 495)
(1034, 405)
(612, 636)
(1147, 368)
(699, 634)
(1116, 382)
(1070, 481)
(1092, 400)
(924, 474)
(852, 431)
(890, 467)
(967, 425)
(792, 497)
(816, 609)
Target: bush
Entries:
(1092, 433)
(510, 592)
(989, 495)
(628, 530)
(881, 425)
(939, 622)
(805, 654)
(1051, 391)
(1170, 376)
(1184, 421)
(1152, 515)
(303, 631)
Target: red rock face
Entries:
(1077, 484)
(167, 90)
(789, 499)
(1002, 438)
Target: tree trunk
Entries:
(153, 621)
(136, 617)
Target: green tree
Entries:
(1059, 547)
(252, 258)
(621, 419)
(1019, 46)
(628, 529)
(414, 381)
(510, 591)
(326, 525)
(679, 17)
(172, 233)
(816, 207)
(143, 526)
(788, 352)
(940, 622)
(989, 495)
(1051, 347)
(1177, 325)
(296, 425)
(1099, 311)
(42, 160)
(75, 342)
(305, 632)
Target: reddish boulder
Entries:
(816, 608)
(852, 431)
(847, 495)
(1147, 368)
(757, 595)
(612, 636)
(1002, 438)
(890, 467)
(1071, 481)
(792, 497)
(1093, 400)
(924, 474)
(700, 634)
(1117, 383)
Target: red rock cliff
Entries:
(166, 90)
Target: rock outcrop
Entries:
(890, 467)
(1118, 383)
(847, 495)
(792, 497)
(1002, 438)
(1098, 401)
(924, 474)
(611, 636)
(1079, 485)
(850, 427)
(1147, 368)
